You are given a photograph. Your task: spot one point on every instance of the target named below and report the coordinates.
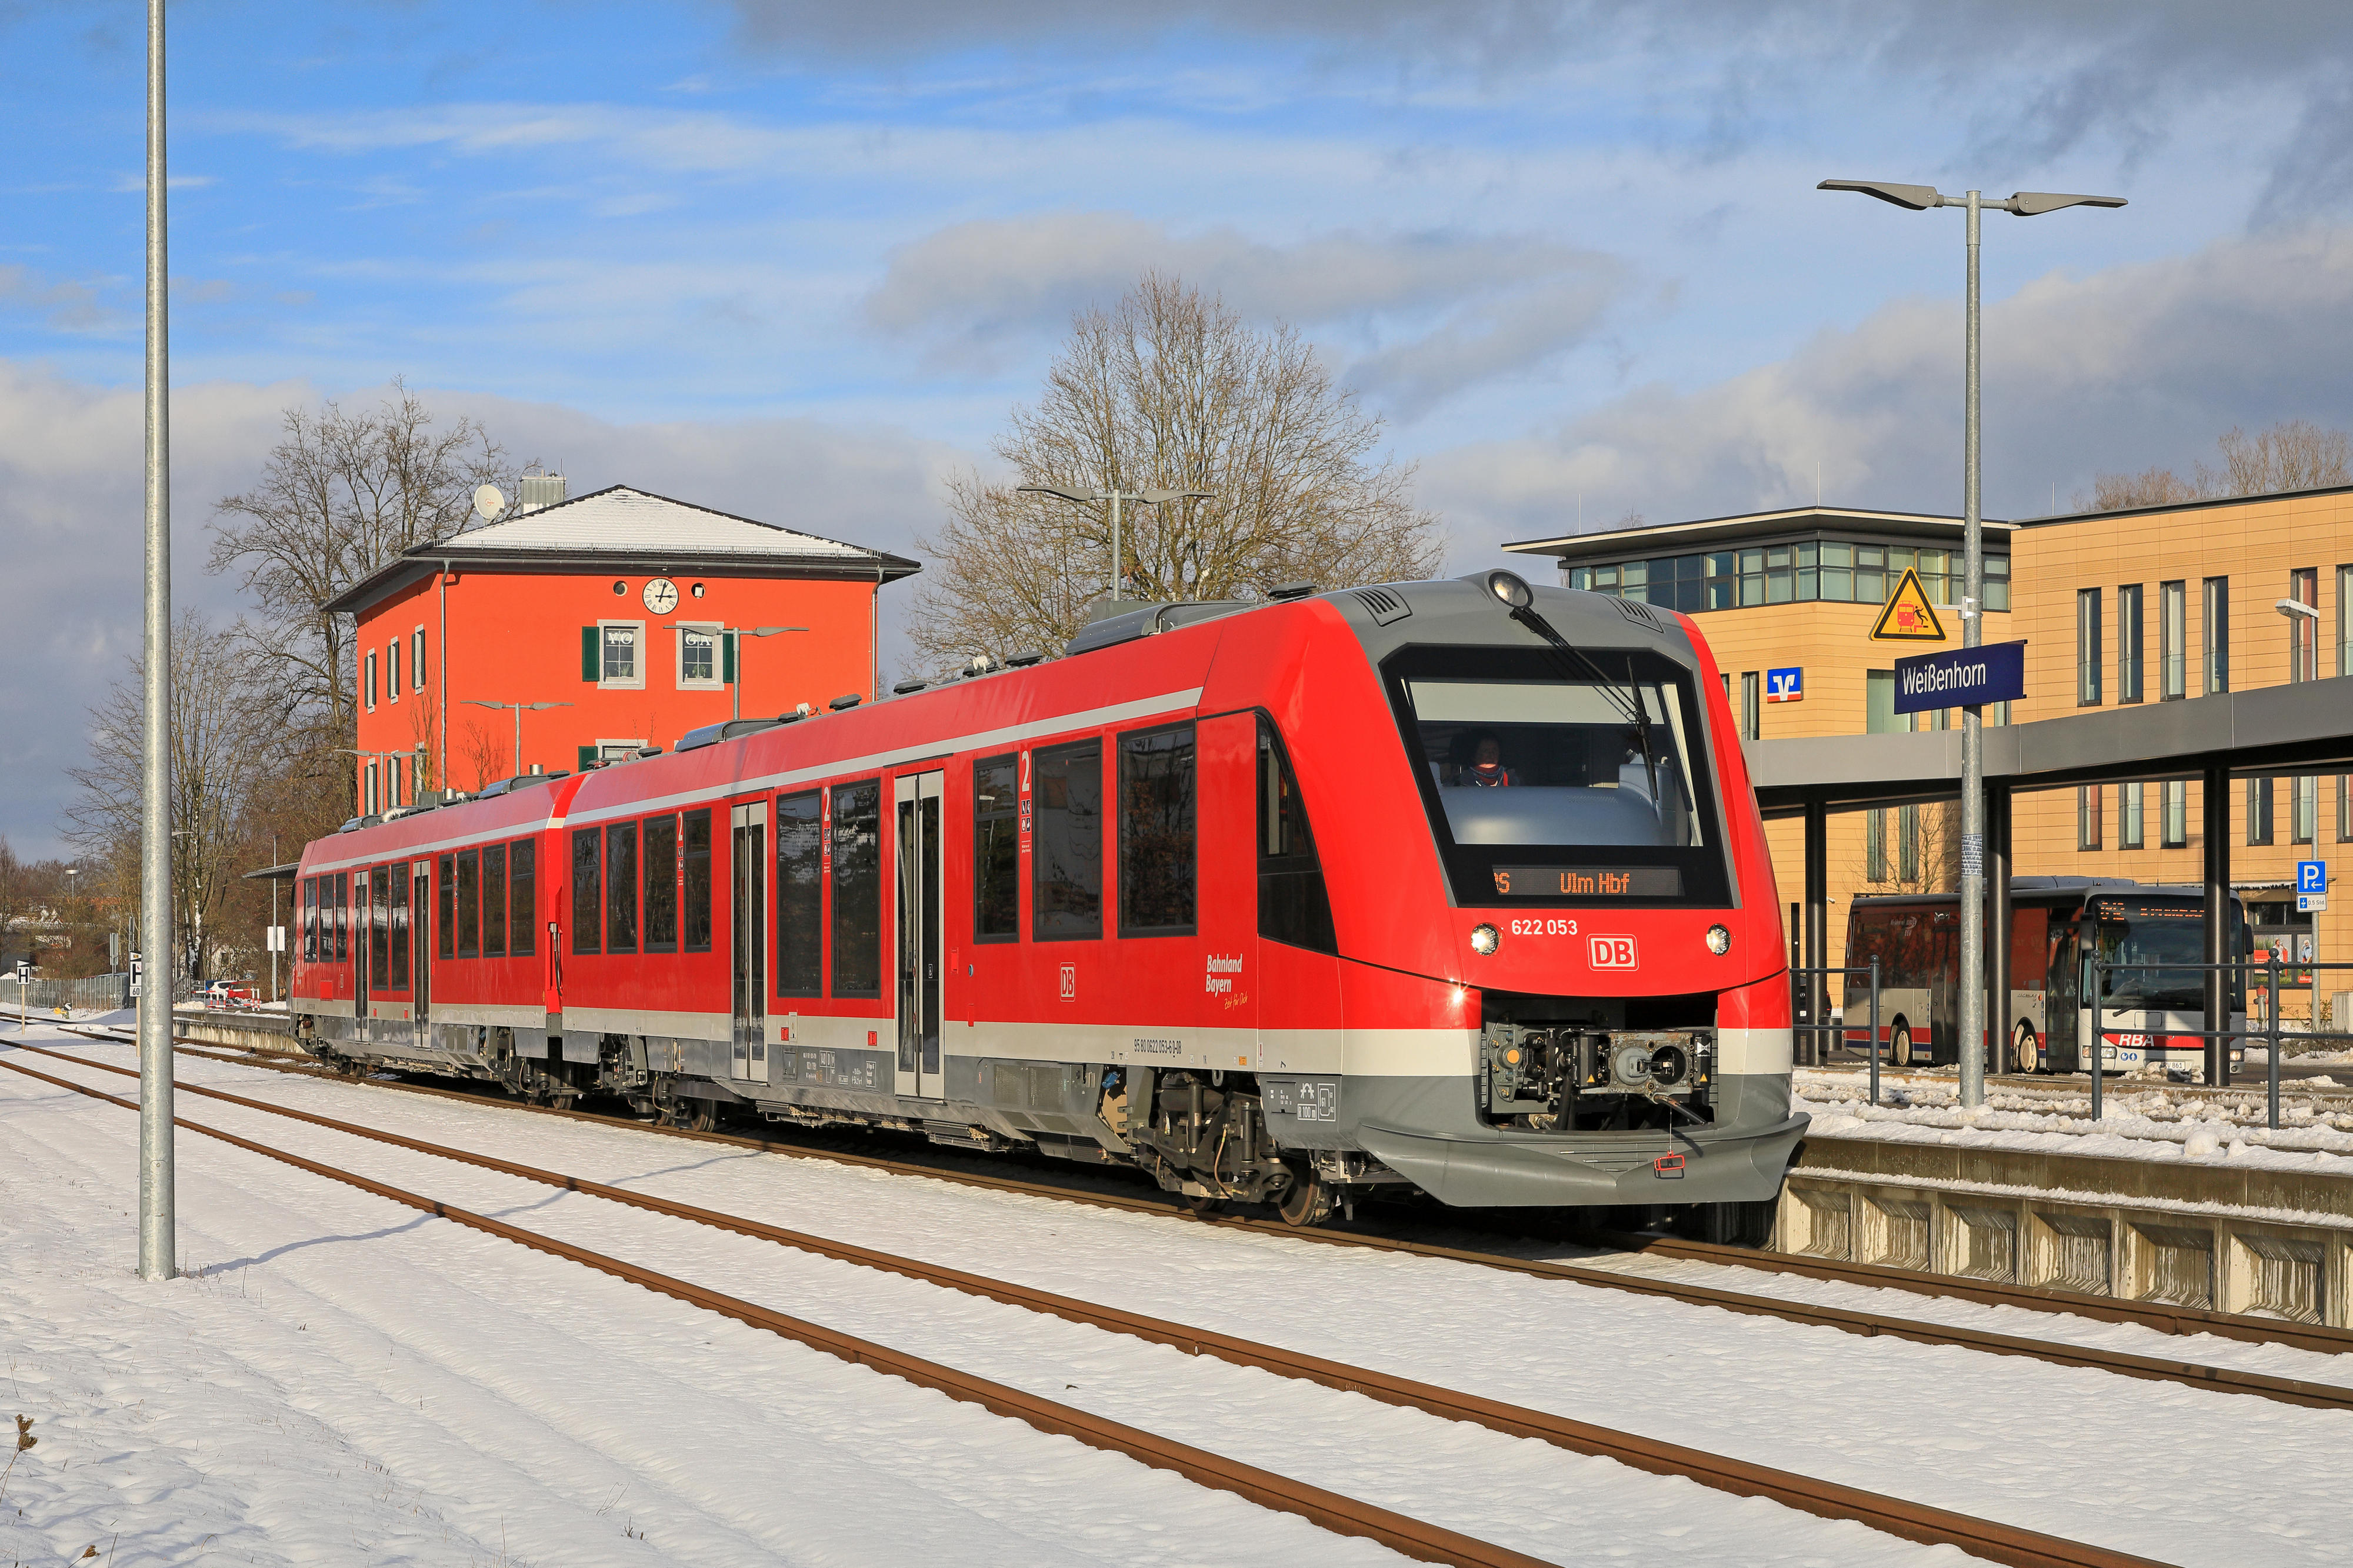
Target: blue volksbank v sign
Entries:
(1961, 677)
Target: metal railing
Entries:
(1817, 1028)
(2092, 1045)
(105, 991)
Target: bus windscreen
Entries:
(2133, 932)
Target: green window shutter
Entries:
(729, 677)
(592, 653)
(587, 755)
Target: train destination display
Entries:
(1589, 882)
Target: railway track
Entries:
(2159, 1317)
(1904, 1517)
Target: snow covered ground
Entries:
(2139, 1121)
(342, 1380)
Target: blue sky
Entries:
(796, 259)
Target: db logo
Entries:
(1611, 951)
(1070, 982)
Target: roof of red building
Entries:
(621, 527)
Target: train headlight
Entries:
(1719, 941)
(1512, 588)
(1485, 939)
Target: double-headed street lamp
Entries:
(519, 710)
(734, 687)
(1115, 496)
(2023, 204)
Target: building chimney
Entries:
(539, 490)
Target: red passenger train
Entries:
(1455, 885)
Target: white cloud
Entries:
(1440, 310)
(2113, 371)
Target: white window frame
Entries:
(605, 681)
(417, 659)
(368, 684)
(612, 751)
(718, 681)
(392, 669)
(367, 786)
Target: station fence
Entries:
(2093, 1049)
(1809, 1011)
(96, 992)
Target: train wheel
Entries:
(1305, 1202)
(703, 1117)
(1899, 1045)
(1201, 1203)
(2024, 1056)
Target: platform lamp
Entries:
(734, 687)
(2022, 203)
(519, 710)
(1115, 496)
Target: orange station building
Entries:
(619, 610)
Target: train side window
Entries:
(469, 904)
(379, 911)
(398, 894)
(587, 890)
(310, 920)
(995, 850)
(446, 944)
(800, 895)
(1158, 870)
(494, 900)
(662, 883)
(621, 887)
(522, 898)
(696, 915)
(857, 889)
(1067, 842)
(1293, 905)
(342, 917)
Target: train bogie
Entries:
(1453, 887)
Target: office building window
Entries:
(1907, 833)
(2218, 634)
(2304, 816)
(2304, 631)
(2345, 620)
(2173, 640)
(1752, 709)
(1879, 715)
(1875, 845)
(2087, 647)
(2128, 818)
(2259, 810)
(2344, 808)
(2128, 643)
(2174, 828)
(2087, 815)
(1832, 570)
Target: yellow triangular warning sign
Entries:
(1909, 617)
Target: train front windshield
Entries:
(2161, 935)
(1562, 784)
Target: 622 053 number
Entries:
(1544, 928)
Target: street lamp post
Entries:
(2022, 203)
(519, 710)
(734, 687)
(158, 1201)
(1115, 495)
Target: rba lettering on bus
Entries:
(1971, 676)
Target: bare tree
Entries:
(230, 737)
(2295, 455)
(1168, 390)
(341, 494)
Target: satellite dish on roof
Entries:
(490, 500)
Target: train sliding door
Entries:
(421, 947)
(917, 842)
(748, 929)
(366, 981)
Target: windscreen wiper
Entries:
(1628, 698)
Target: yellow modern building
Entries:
(2154, 604)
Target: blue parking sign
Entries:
(2312, 876)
